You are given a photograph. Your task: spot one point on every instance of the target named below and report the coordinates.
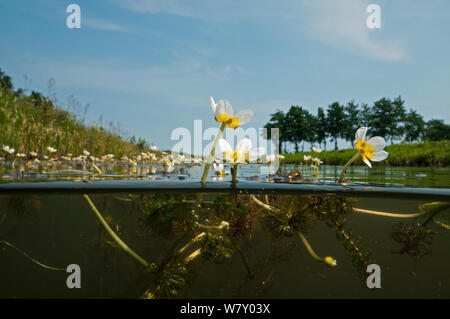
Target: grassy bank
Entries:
(434, 154)
(32, 123)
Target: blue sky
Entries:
(152, 65)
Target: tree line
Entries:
(386, 117)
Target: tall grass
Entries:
(30, 125)
(434, 154)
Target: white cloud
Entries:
(338, 23)
(342, 24)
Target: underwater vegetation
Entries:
(215, 228)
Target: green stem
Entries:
(327, 260)
(233, 179)
(211, 155)
(309, 248)
(29, 257)
(341, 179)
(113, 234)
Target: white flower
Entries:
(169, 167)
(223, 112)
(243, 152)
(371, 149)
(316, 161)
(306, 158)
(270, 158)
(86, 153)
(316, 150)
(51, 149)
(219, 169)
(7, 149)
(153, 148)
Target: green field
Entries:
(434, 154)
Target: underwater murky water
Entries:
(223, 245)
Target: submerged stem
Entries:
(341, 179)
(265, 206)
(386, 214)
(327, 260)
(113, 234)
(31, 258)
(211, 155)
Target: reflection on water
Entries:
(223, 245)
(384, 176)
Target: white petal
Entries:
(215, 166)
(223, 107)
(213, 105)
(244, 145)
(379, 156)
(377, 142)
(256, 153)
(273, 169)
(224, 146)
(244, 116)
(361, 133)
(367, 162)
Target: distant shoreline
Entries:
(424, 154)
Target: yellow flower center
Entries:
(231, 121)
(364, 148)
(237, 155)
(330, 261)
(220, 173)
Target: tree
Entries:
(321, 131)
(381, 117)
(366, 115)
(386, 117)
(352, 121)
(335, 123)
(277, 120)
(414, 126)
(5, 81)
(437, 130)
(313, 129)
(398, 116)
(296, 125)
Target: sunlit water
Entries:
(56, 227)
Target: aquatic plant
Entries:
(223, 113)
(242, 154)
(218, 168)
(415, 239)
(330, 261)
(370, 150)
